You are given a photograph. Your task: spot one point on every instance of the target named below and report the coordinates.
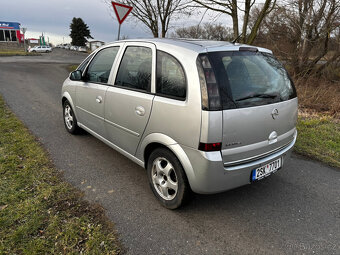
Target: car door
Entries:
(90, 94)
(128, 103)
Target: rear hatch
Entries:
(252, 133)
(258, 103)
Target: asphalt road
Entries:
(295, 211)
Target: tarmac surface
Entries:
(294, 211)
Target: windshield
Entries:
(249, 79)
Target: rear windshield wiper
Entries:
(258, 96)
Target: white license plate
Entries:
(264, 171)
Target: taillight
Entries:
(211, 99)
(210, 146)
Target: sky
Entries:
(53, 18)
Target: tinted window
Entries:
(135, 68)
(13, 35)
(7, 36)
(251, 78)
(100, 66)
(170, 76)
(2, 35)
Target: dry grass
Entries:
(319, 96)
(16, 52)
(71, 68)
(319, 120)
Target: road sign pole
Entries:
(118, 32)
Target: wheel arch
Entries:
(157, 140)
(67, 96)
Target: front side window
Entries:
(84, 64)
(135, 68)
(170, 76)
(100, 66)
(250, 78)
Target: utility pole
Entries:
(23, 29)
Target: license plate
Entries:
(266, 170)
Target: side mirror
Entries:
(76, 75)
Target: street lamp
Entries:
(23, 29)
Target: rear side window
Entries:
(170, 76)
(135, 68)
(100, 66)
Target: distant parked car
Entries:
(43, 48)
(82, 49)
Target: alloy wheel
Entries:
(164, 178)
(68, 115)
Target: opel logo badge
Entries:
(275, 113)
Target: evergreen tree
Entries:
(80, 32)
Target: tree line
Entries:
(305, 33)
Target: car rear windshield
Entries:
(247, 79)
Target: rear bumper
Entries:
(211, 176)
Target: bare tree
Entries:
(157, 14)
(232, 8)
(302, 31)
(207, 31)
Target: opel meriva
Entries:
(201, 116)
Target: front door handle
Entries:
(99, 99)
(140, 110)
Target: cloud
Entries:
(54, 18)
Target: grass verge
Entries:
(39, 212)
(8, 53)
(319, 138)
(71, 68)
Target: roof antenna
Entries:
(237, 38)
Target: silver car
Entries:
(42, 48)
(200, 116)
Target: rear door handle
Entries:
(99, 99)
(140, 110)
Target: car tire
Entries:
(167, 179)
(70, 119)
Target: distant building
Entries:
(10, 32)
(32, 42)
(93, 45)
